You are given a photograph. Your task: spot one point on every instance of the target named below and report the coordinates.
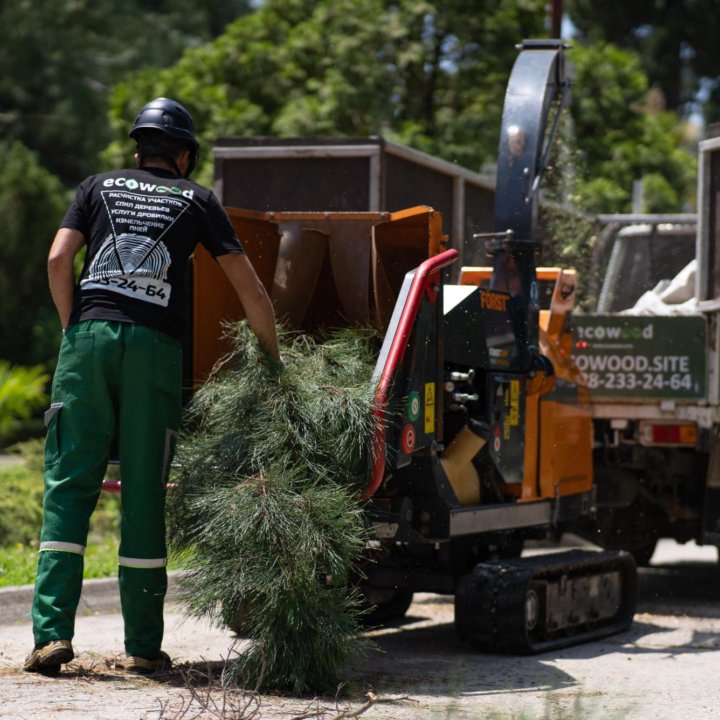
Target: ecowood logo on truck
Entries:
(655, 357)
(615, 332)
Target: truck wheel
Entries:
(385, 605)
(643, 553)
(234, 617)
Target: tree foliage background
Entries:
(432, 75)
(61, 59)
(676, 42)
(31, 205)
(623, 133)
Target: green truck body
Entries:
(634, 358)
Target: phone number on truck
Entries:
(639, 381)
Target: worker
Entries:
(119, 373)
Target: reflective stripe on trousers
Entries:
(142, 562)
(62, 547)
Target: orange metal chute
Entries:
(565, 420)
(320, 269)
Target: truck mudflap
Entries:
(540, 603)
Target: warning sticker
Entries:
(429, 425)
(514, 415)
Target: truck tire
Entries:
(643, 553)
(384, 606)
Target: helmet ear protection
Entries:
(171, 118)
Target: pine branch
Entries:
(269, 473)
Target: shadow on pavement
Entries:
(422, 653)
(680, 589)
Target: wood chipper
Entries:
(486, 435)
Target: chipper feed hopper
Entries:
(486, 438)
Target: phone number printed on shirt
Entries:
(149, 290)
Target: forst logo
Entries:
(132, 184)
(615, 332)
(493, 301)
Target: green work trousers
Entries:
(111, 378)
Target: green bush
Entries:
(32, 202)
(21, 491)
(22, 390)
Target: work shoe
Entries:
(143, 666)
(49, 656)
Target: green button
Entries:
(413, 407)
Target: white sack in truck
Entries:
(669, 297)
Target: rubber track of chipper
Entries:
(490, 601)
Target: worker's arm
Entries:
(255, 301)
(65, 247)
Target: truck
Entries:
(649, 353)
(484, 432)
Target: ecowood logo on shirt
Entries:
(132, 184)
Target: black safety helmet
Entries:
(170, 117)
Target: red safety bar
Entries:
(425, 275)
(115, 486)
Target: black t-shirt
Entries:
(141, 226)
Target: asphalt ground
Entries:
(663, 668)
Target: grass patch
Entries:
(21, 490)
(18, 563)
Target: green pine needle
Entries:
(269, 477)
